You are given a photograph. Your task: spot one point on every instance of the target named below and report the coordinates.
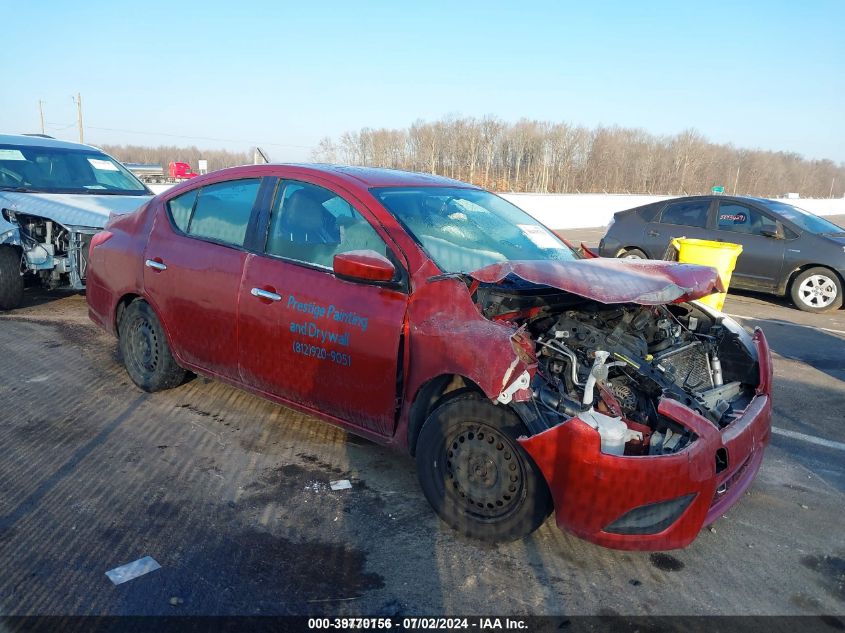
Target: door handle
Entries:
(265, 294)
(151, 263)
(653, 233)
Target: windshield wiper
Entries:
(81, 192)
(20, 189)
(460, 276)
(109, 192)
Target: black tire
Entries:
(476, 476)
(632, 253)
(816, 290)
(146, 354)
(11, 280)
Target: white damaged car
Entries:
(54, 196)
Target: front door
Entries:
(193, 265)
(759, 265)
(309, 337)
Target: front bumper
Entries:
(592, 490)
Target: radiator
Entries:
(689, 366)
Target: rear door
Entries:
(681, 218)
(193, 265)
(759, 265)
(308, 336)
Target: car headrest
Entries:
(304, 212)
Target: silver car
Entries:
(54, 196)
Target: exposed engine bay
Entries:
(57, 255)
(611, 364)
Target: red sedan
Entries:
(435, 317)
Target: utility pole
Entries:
(78, 100)
(41, 113)
(736, 179)
(831, 187)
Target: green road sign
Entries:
(718, 189)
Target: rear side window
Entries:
(742, 219)
(689, 213)
(222, 211)
(180, 209)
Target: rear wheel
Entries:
(632, 253)
(146, 354)
(817, 290)
(11, 281)
(475, 474)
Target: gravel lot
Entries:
(230, 494)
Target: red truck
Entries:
(154, 173)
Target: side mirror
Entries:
(776, 234)
(363, 266)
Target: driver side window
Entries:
(311, 224)
(739, 218)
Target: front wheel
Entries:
(475, 474)
(817, 290)
(632, 253)
(146, 354)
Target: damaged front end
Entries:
(53, 232)
(648, 416)
(55, 253)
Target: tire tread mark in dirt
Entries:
(32, 501)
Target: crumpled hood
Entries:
(70, 209)
(647, 282)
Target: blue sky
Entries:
(767, 74)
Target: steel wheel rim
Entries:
(483, 472)
(817, 291)
(631, 256)
(143, 346)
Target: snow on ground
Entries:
(576, 211)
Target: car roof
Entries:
(41, 141)
(719, 196)
(378, 176)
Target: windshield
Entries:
(463, 230)
(804, 219)
(60, 170)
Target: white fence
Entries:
(584, 210)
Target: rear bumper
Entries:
(99, 301)
(592, 490)
(608, 247)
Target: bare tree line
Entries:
(541, 156)
(164, 154)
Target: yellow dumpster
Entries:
(720, 255)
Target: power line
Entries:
(201, 138)
(62, 126)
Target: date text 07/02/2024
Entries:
(419, 623)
